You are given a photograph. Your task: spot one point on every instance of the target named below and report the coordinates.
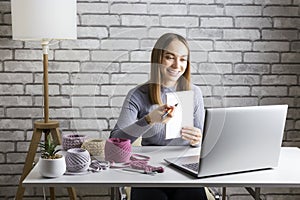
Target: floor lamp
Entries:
(43, 21)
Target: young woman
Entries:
(142, 111)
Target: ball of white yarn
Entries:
(77, 160)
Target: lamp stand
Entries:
(40, 127)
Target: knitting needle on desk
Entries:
(139, 171)
(168, 112)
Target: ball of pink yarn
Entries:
(117, 150)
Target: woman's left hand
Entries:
(192, 134)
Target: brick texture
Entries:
(244, 52)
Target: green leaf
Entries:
(48, 148)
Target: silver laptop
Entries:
(237, 139)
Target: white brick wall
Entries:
(244, 52)
(241, 34)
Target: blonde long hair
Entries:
(184, 82)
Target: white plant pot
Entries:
(52, 168)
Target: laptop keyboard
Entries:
(192, 166)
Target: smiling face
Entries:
(174, 63)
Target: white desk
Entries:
(285, 175)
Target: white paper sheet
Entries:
(183, 113)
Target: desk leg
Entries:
(223, 193)
(112, 193)
(52, 193)
(255, 194)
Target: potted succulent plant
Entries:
(51, 164)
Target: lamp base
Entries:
(50, 127)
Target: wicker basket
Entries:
(95, 147)
(73, 141)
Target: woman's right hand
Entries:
(156, 115)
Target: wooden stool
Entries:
(40, 127)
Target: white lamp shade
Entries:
(43, 19)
